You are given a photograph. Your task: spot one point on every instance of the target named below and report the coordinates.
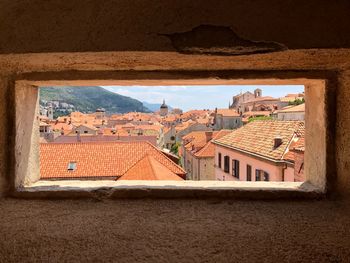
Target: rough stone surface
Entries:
(219, 40)
(72, 26)
(343, 133)
(173, 231)
(3, 139)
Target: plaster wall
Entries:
(207, 171)
(291, 116)
(274, 171)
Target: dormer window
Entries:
(72, 166)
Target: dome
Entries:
(163, 106)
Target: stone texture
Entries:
(3, 138)
(343, 134)
(27, 123)
(174, 231)
(70, 26)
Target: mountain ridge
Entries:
(89, 98)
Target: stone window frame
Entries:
(317, 158)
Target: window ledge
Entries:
(169, 189)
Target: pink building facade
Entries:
(238, 166)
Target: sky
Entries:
(198, 97)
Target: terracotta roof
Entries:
(184, 125)
(298, 108)
(59, 127)
(196, 139)
(98, 159)
(88, 126)
(300, 145)
(209, 149)
(43, 124)
(258, 137)
(289, 156)
(85, 138)
(228, 112)
(262, 99)
(148, 168)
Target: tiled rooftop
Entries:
(268, 98)
(148, 168)
(101, 159)
(298, 108)
(209, 149)
(228, 112)
(198, 144)
(257, 137)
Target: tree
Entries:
(260, 118)
(175, 148)
(296, 102)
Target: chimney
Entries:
(277, 141)
(208, 136)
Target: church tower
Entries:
(257, 93)
(163, 111)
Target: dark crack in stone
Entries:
(219, 40)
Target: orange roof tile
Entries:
(268, 98)
(298, 108)
(209, 149)
(148, 168)
(195, 139)
(228, 112)
(98, 159)
(258, 137)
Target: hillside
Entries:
(88, 99)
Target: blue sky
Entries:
(198, 97)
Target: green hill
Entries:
(88, 99)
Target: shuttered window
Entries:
(226, 164)
(235, 168)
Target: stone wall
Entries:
(124, 25)
(286, 230)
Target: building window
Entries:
(235, 168)
(219, 160)
(85, 131)
(249, 172)
(72, 166)
(226, 164)
(261, 175)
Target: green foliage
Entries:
(296, 102)
(260, 118)
(175, 148)
(88, 99)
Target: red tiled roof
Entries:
(300, 145)
(268, 98)
(298, 108)
(196, 139)
(148, 168)
(228, 112)
(98, 159)
(258, 137)
(209, 149)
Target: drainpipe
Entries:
(283, 169)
